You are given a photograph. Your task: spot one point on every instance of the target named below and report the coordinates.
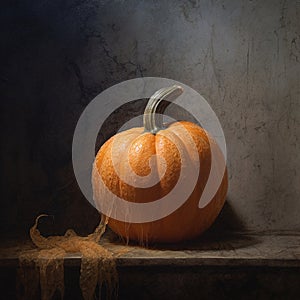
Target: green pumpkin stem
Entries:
(153, 119)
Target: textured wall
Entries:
(242, 56)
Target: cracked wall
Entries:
(242, 56)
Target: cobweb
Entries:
(42, 269)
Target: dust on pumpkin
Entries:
(44, 267)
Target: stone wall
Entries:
(242, 56)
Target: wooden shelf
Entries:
(213, 250)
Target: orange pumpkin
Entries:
(134, 149)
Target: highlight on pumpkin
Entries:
(149, 181)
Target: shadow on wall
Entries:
(227, 221)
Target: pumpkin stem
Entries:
(153, 120)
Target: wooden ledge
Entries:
(236, 250)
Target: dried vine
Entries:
(44, 267)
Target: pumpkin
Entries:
(132, 152)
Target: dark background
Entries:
(242, 56)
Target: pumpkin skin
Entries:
(188, 221)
